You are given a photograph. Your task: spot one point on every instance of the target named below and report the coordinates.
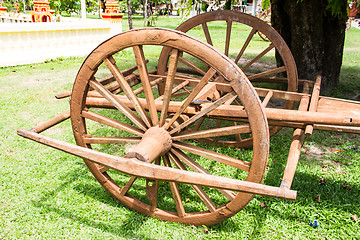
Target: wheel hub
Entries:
(155, 143)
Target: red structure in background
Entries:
(42, 11)
(112, 12)
(2, 9)
(354, 8)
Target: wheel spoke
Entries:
(128, 185)
(199, 191)
(198, 125)
(204, 112)
(209, 74)
(267, 73)
(111, 122)
(144, 76)
(228, 34)
(251, 34)
(169, 84)
(118, 104)
(152, 188)
(267, 98)
(110, 63)
(102, 140)
(207, 33)
(237, 136)
(217, 132)
(175, 191)
(191, 65)
(152, 83)
(175, 89)
(198, 168)
(268, 49)
(237, 163)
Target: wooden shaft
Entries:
(295, 149)
(40, 127)
(138, 168)
(277, 115)
(313, 104)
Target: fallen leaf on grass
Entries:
(319, 199)
(262, 204)
(354, 217)
(322, 181)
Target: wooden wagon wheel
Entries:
(266, 17)
(158, 124)
(226, 20)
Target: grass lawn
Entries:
(48, 194)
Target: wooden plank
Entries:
(237, 113)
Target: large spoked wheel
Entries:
(239, 41)
(129, 118)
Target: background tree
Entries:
(315, 32)
(130, 13)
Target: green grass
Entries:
(48, 194)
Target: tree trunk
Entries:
(129, 14)
(145, 12)
(314, 35)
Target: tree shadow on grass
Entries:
(124, 228)
(333, 197)
(331, 200)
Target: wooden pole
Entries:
(138, 168)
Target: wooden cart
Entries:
(154, 131)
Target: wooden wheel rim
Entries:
(262, 27)
(257, 24)
(185, 43)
